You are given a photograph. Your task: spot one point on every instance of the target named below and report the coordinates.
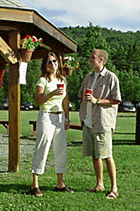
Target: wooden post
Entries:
(14, 107)
(61, 63)
(137, 140)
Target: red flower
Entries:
(32, 42)
(28, 36)
(34, 39)
(40, 39)
(70, 62)
(65, 60)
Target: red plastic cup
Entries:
(60, 86)
(88, 91)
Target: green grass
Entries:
(125, 126)
(79, 175)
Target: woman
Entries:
(53, 120)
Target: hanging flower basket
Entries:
(28, 45)
(26, 54)
(70, 63)
(68, 71)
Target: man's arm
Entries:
(106, 102)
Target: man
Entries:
(98, 113)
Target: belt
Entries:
(58, 112)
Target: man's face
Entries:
(94, 60)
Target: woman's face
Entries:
(52, 64)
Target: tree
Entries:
(93, 39)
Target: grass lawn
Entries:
(79, 175)
(125, 126)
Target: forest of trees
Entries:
(124, 52)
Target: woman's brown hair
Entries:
(44, 72)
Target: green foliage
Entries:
(130, 85)
(124, 52)
(74, 83)
(69, 62)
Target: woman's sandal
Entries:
(112, 195)
(35, 191)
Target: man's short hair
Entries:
(102, 53)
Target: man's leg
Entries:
(98, 167)
(112, 173)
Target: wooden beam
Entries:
(14, 107)
(7, 53)
(61, 63)
(20, 15)
(54, 32)
(7, 28)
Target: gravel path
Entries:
(26, 147)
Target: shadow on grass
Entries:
(3, 172)
(32, 138)
(124, 133)
(124, 142)
(20, 188)
(25, 189)
(115, 142)
(79, 143)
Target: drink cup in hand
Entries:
(88, 91)
(61, 87)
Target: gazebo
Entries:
(16, 21)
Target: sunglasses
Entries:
(51, 61)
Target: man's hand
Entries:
(90, 98)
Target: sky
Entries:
(123, 15)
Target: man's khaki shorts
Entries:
(98, 145)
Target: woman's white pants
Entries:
(50, 128)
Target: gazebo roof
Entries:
(12, 4)
(15, 15)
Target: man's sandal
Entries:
(64, 189)
(35, 191)
(95, 190)
(112, 195)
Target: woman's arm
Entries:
(66, 110)
(41, 98)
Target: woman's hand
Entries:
(58, 92)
